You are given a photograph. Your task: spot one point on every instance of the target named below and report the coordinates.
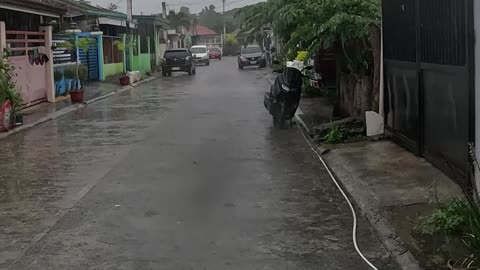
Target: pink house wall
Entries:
(31, 56)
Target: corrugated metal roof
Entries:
(41, 5)
(76, 8)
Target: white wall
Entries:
(476, 12)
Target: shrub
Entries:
(335, 135)
(69, 73)
(449, 219)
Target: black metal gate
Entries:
(429, 95)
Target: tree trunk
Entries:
(360, 93)
(354, 96)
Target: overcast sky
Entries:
(155, 6)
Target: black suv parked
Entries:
(178, 60)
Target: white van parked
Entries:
(200, 54)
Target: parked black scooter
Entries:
(284, 96)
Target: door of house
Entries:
(27, 54)
(428, 80)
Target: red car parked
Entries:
(215, 53)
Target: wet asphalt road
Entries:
(179, 173)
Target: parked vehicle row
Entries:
(186, 60)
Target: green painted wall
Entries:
(112, 69)
(144, 63)
(141, 62)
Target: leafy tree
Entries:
(185, 10)
(210, 18)
(316, 23)
(254, 17)
(344, 25)
(231, 45)
(179, 19)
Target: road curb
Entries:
(72, 108)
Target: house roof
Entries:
(201, 30)
(31, 6)
(77, 8)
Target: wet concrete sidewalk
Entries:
(45, 111)
(391, 186)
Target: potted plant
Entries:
(82, 76)
(76, 91)
(76, 88)
(124, 80)
(10, 100)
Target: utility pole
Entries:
(224, 27)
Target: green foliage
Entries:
(84, 43)
(81, 43)
(231, 45)
(335, 135)
(459, 217)
(119, 44)
(69, 73)
(131, 42)
(68, 45)
(449, 219)
(180, 19)
(472, 232)
(83, 72)
(57, 76)
(313, 24)
(230, 38)
(212, 19)
(7, 86)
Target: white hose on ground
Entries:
(354, 214)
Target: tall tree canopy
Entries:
(317, 23)
(344, 26)
(179, 19)
(210, 18)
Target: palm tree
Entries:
(179, 19)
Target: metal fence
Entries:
(429, 81)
